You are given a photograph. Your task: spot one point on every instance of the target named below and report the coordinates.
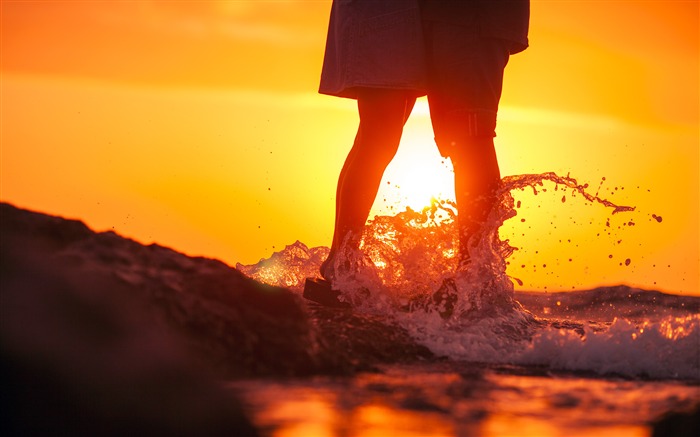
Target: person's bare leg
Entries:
(383, 114)
(476, 179)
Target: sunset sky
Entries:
(197, 125)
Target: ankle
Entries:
(327, 268)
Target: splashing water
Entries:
(411, 260)
(407, 269)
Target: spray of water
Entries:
(407, 271)
(409, 262)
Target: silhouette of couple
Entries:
(385, 54)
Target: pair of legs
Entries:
(383, 113)
(465, 77)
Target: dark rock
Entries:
(231, 323)
(678, 424)
(80, 355)
(350, 342)
(218, 318)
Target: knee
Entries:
(377, 158)
(473, 152)
(465, 133)
(377, 145)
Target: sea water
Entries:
(509, 369)
(460, 399)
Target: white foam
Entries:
(666, 349)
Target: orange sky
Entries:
(197, 125)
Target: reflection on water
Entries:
(446, 400)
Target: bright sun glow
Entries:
(418, 173)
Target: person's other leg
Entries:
(476, 171)
(477, 176)
(464, 89)
(383, 113)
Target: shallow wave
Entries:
(664, 349)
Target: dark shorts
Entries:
(465, 79)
